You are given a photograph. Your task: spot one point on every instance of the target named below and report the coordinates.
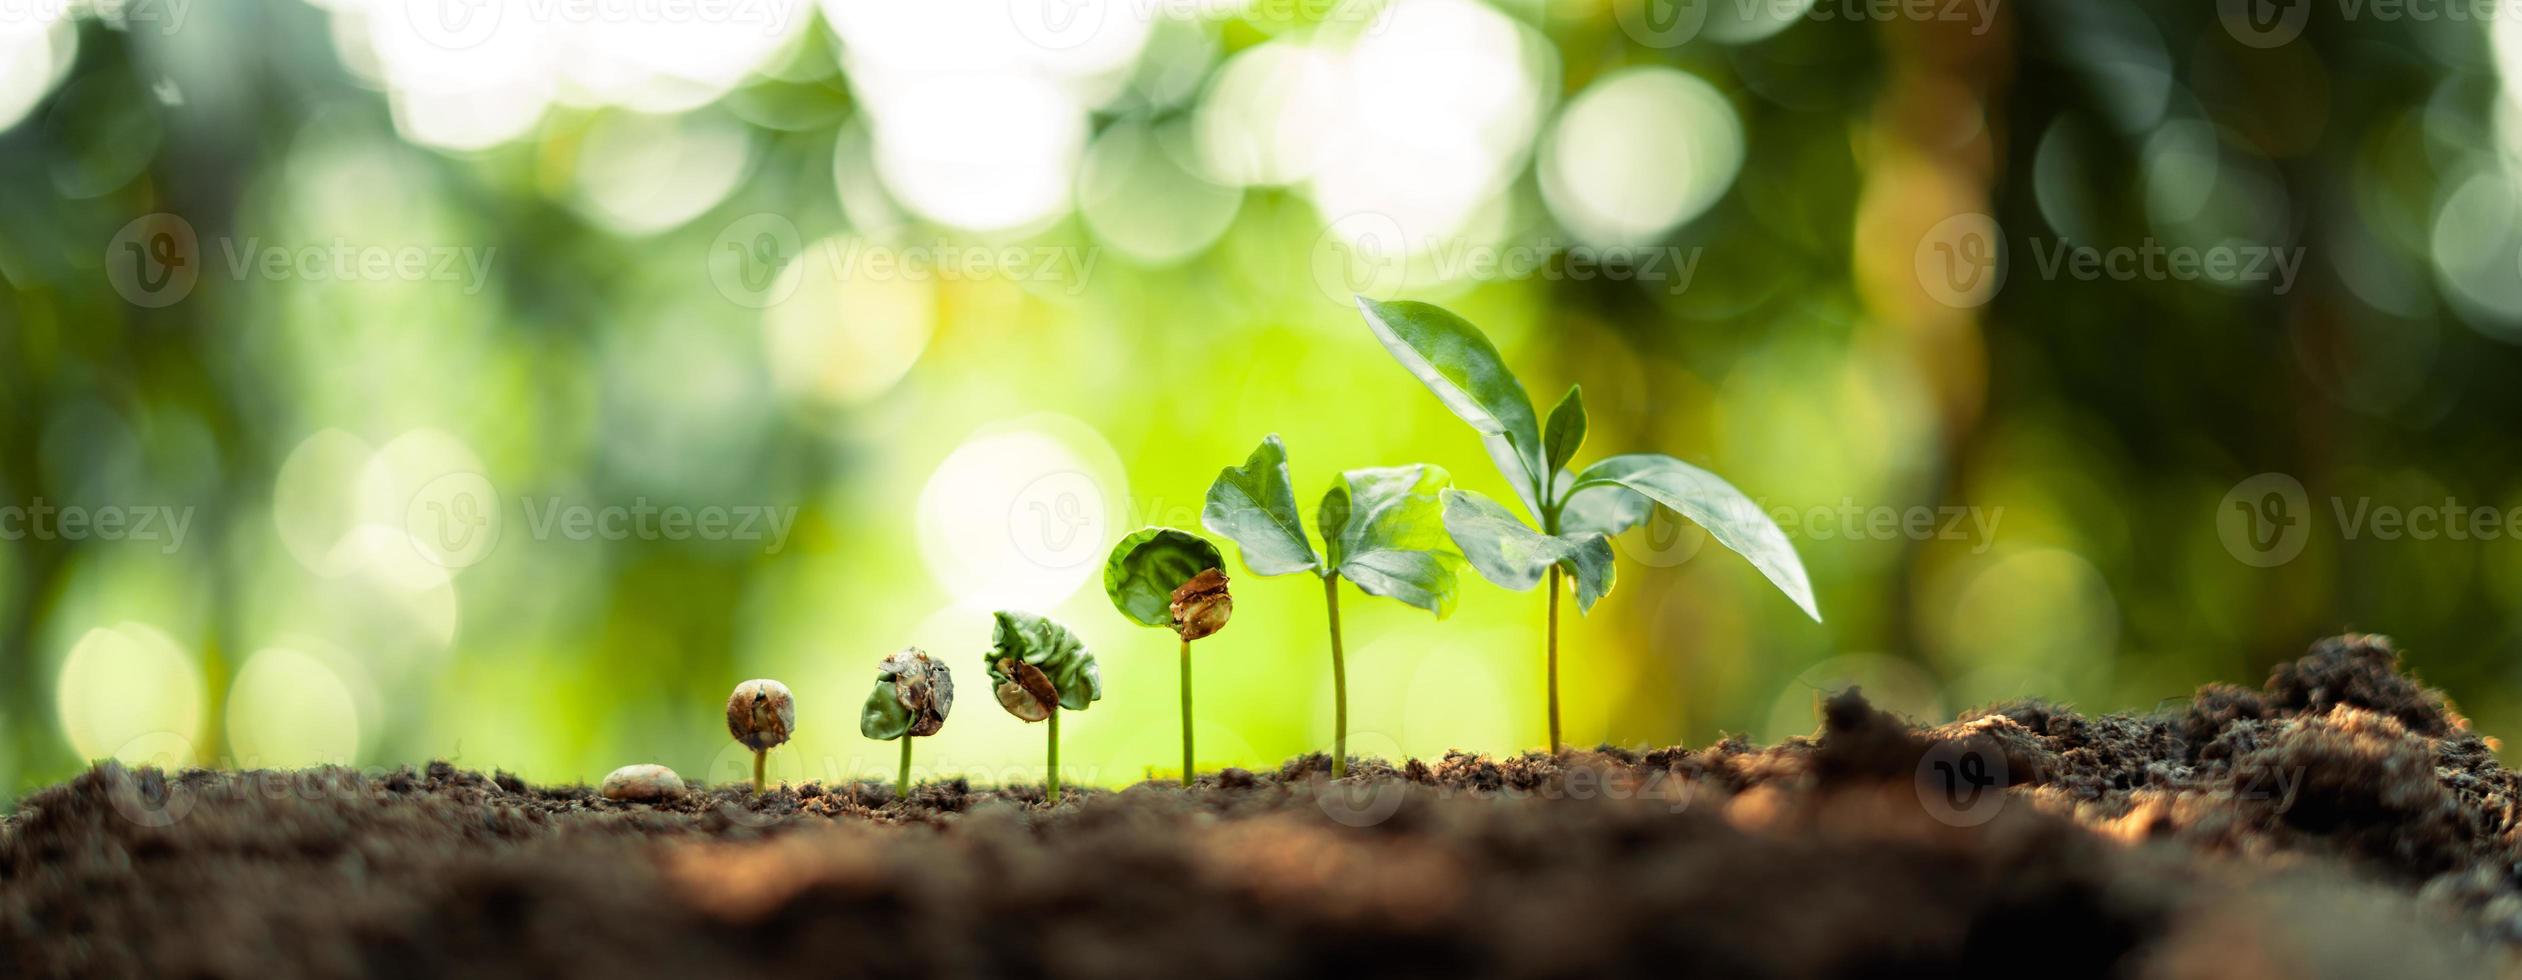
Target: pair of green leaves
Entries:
(1036, 664)
(1576, 512)
(1382, 528)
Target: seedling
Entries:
(1576, 512)
(1381, 529)
(1172, 579)
(914, 691)
(761, 715)
(1039, 667)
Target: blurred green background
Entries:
(911, 309)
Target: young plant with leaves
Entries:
(1037, 668)
(1576, 511)
(914, 691)
(1175, 580)
(1382, 530)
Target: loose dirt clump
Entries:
(2341, 821)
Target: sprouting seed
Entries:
(913, 693)
(761, 715)
(642, 783)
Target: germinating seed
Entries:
(643, 783)
(760, 714)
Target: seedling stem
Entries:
(1554, 659)
(760, 756)
(1186, 713)
(1051, 791)
(902, 783)
(1339, 683)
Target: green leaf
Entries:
(1607, 509)
(1733, 519)
(1050, 648)
(1513, 555)
(1457, 362)
(1145, 568)
(1384, 530)
(1565, 431)
(1254, 505)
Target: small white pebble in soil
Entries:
(643, 783)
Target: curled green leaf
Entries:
(1732, 518)
(1037, 666)
(913, 694)
(1146, 568)
(1457, 363)
(1254, 505)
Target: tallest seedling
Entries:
(1576, 512)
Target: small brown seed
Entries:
(1201, 606)
(642, 783)
(760, 714)
(923, 686)
(1030, 695)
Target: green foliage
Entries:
(1511, 554)
(1255, 506)
(1022, 640)
(1457, 362)
(1576, 514)
(1145, 568)
(1382, 528)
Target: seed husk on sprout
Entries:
(760, 715)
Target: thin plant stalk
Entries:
(902, 783)
(1554, 659)
(1186, 713)
(1051, 789)
(760, 756)
(1339, 683)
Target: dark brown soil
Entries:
(2340, 821)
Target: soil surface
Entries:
(2340, 820)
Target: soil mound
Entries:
(2343, 820)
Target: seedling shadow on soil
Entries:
(2341, 820)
